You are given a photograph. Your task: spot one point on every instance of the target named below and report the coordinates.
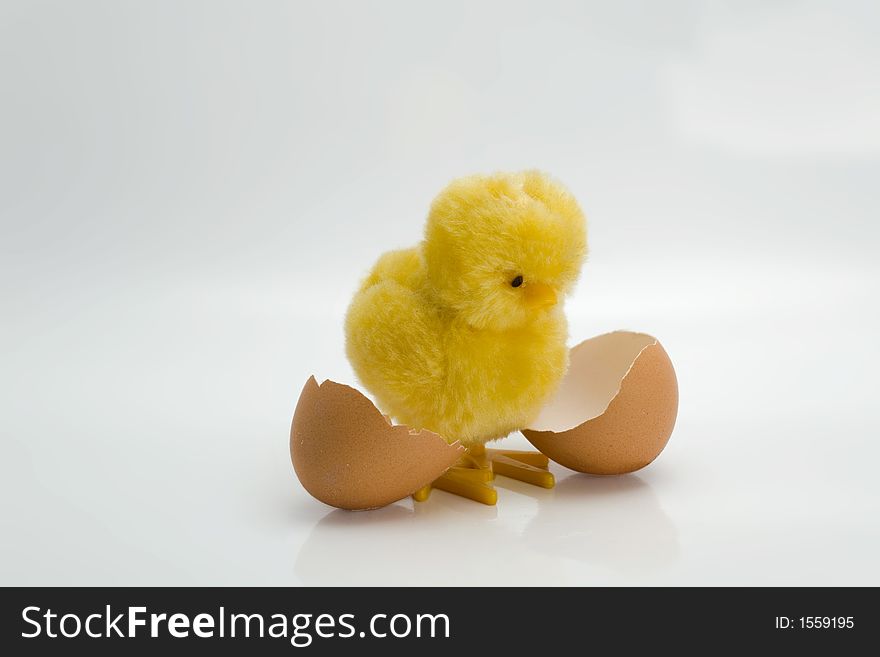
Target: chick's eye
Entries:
(516, 282)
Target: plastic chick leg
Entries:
(473, 475)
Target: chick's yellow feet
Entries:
(474, 474)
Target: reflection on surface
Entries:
(400, 545)
(587, 527)
(615, 522)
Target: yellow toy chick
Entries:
(464, 334)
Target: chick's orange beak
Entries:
(539, 295)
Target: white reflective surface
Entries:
(171, 466)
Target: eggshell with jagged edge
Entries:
(615, 409)
(348, 455)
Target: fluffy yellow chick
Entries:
(464, 334)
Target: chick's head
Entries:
(501, 249)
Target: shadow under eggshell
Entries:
(624, 386)
(346, 454)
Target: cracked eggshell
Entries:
(348, 455)
(615, 408)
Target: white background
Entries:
(190, 191)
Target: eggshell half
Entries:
(615, 408)
(348, 455)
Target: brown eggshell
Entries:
(615, 409)
(347, 454)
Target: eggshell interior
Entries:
(348, 455)
(615, 408)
